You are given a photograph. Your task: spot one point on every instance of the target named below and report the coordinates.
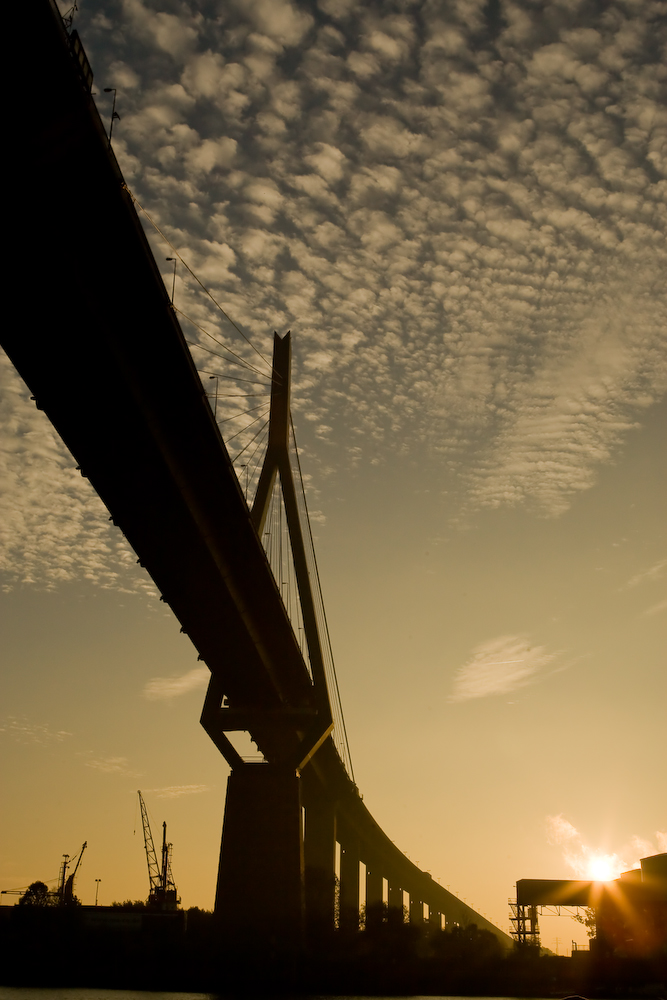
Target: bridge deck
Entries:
(106, 360)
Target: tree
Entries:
(588, 920)
(37, 894)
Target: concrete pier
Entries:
(261, 875)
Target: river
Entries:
(80, 993)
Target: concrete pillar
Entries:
(395, 896)
(373, 882)
(320, 860)
(374, 905)
(349, 876)
(260, 898)
(416, 910)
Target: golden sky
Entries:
(459, 210)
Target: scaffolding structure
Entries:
(523, 920)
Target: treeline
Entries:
(140, 949)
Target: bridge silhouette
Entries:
(103, 354)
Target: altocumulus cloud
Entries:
(461, 215)
(165, 688)
(53, 527)
(499, 666)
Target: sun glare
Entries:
(601, 868)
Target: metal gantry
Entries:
(524, 924)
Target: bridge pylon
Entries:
(271, 871)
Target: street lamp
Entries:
(114, 114)
(217, 383)
(173, 282)
(97, 889)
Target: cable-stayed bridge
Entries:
(104, 356)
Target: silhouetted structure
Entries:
(630, 911)
(105, 358)
(163, 894)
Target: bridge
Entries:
(105, 358)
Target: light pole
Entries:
(173, 281)
(97, 889)
(114, 114)
(217, 383)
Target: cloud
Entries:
(166, 688)
(655, 609)
(211, 153)
(278, 19)
(560, 830)
(176, 791)
(475, 243)
(499, 666)
(588, 862)
(23, 731)
(112, 765)
(169, 32)
(651, 575)
(654, 574)
(53, 526)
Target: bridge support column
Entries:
(395, 897)
(320, 861)
(259, 898)
(374, 905)
(349, 878)
(416, 910)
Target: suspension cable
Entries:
(321, 602)
(239, 359)
(242, 429)
(241, 413)
(234, 378)
(236, 458)
(198, 280)
(207, 350)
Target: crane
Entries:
(64, 894)
(66, 887)
(163, 894)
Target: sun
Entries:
(602, 867)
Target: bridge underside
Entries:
(103, 354)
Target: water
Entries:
(80, 993)
(46, 993)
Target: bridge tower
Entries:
(262, 888)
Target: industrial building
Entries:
(630, 911)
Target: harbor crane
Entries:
(38, 892)
(163, 894)
(66, 882)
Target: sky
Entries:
(459, 209)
